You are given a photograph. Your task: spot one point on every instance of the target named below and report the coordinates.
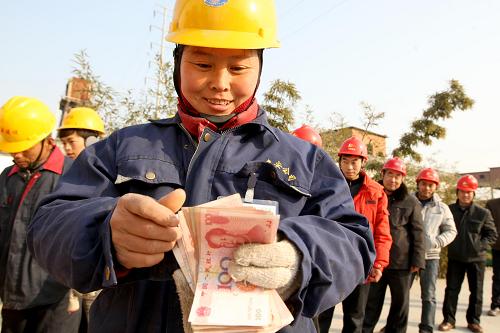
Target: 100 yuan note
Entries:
(219, 300)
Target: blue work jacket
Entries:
(70, 234)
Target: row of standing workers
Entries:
(409, 232)
(107, 220)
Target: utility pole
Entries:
(161, 62)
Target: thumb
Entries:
(174, 200)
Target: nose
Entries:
(16, 155)
(220, 80)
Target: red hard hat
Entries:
(428, 174)
(353, 146)
(308, 133)
(395, 164)
(467, 183)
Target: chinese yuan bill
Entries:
(219, 300)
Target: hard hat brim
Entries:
(221, 39)
(81, 128)
(18, 146)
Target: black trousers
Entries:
(353, 308)
(399, 282)
(454, 278)
(53, 318)
(495, 288)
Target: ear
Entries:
(91, 140)
(51, 141)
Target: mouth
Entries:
(216, 101)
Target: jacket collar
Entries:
(434, 200)
(54, 163)
(260, 120)
(472, 208)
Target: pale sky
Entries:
(391, 54)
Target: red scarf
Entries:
(195, 124)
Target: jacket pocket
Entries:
(398, 217)
(144, 175)
(474, 226)
(271, 183)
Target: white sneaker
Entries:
(494, 312)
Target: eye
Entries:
(238, 68)
(202, 65)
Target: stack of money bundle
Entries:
(210, 234)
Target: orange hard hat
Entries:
(395, 164)
(428, 174)
(353, 146)
(308, 133)
(467, 183)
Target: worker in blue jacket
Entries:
(111, 223)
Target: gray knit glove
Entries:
(185, 298)
(271, 266)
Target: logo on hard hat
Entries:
(215, 3)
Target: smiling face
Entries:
(465, 198)
(392, 180)
(426, 189)
(217, 81)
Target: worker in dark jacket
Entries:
(114, 210)
(494, 206)
(467, 254)
(32, 300)
(407, 253)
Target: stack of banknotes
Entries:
(210, 234)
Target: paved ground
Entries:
(489, 324)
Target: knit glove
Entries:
(185, 298)
(272, 266)
(73, 301)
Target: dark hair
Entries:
(84, 133)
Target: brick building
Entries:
(490, 178)
(375, 142)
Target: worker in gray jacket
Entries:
(440, 231)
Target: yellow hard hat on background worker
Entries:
(83, 118)
(24, 121)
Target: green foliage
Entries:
(123, 109)
(423, 130)
(279, 103)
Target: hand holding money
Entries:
(143, 229)
(269, 266)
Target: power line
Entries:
(329, 10)
(291, 8)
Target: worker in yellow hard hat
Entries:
(123, 192)
(81, 127)
(31, 298)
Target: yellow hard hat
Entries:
(24, 121)
(83, 118)
(229, 24)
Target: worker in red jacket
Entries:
(371, 201)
